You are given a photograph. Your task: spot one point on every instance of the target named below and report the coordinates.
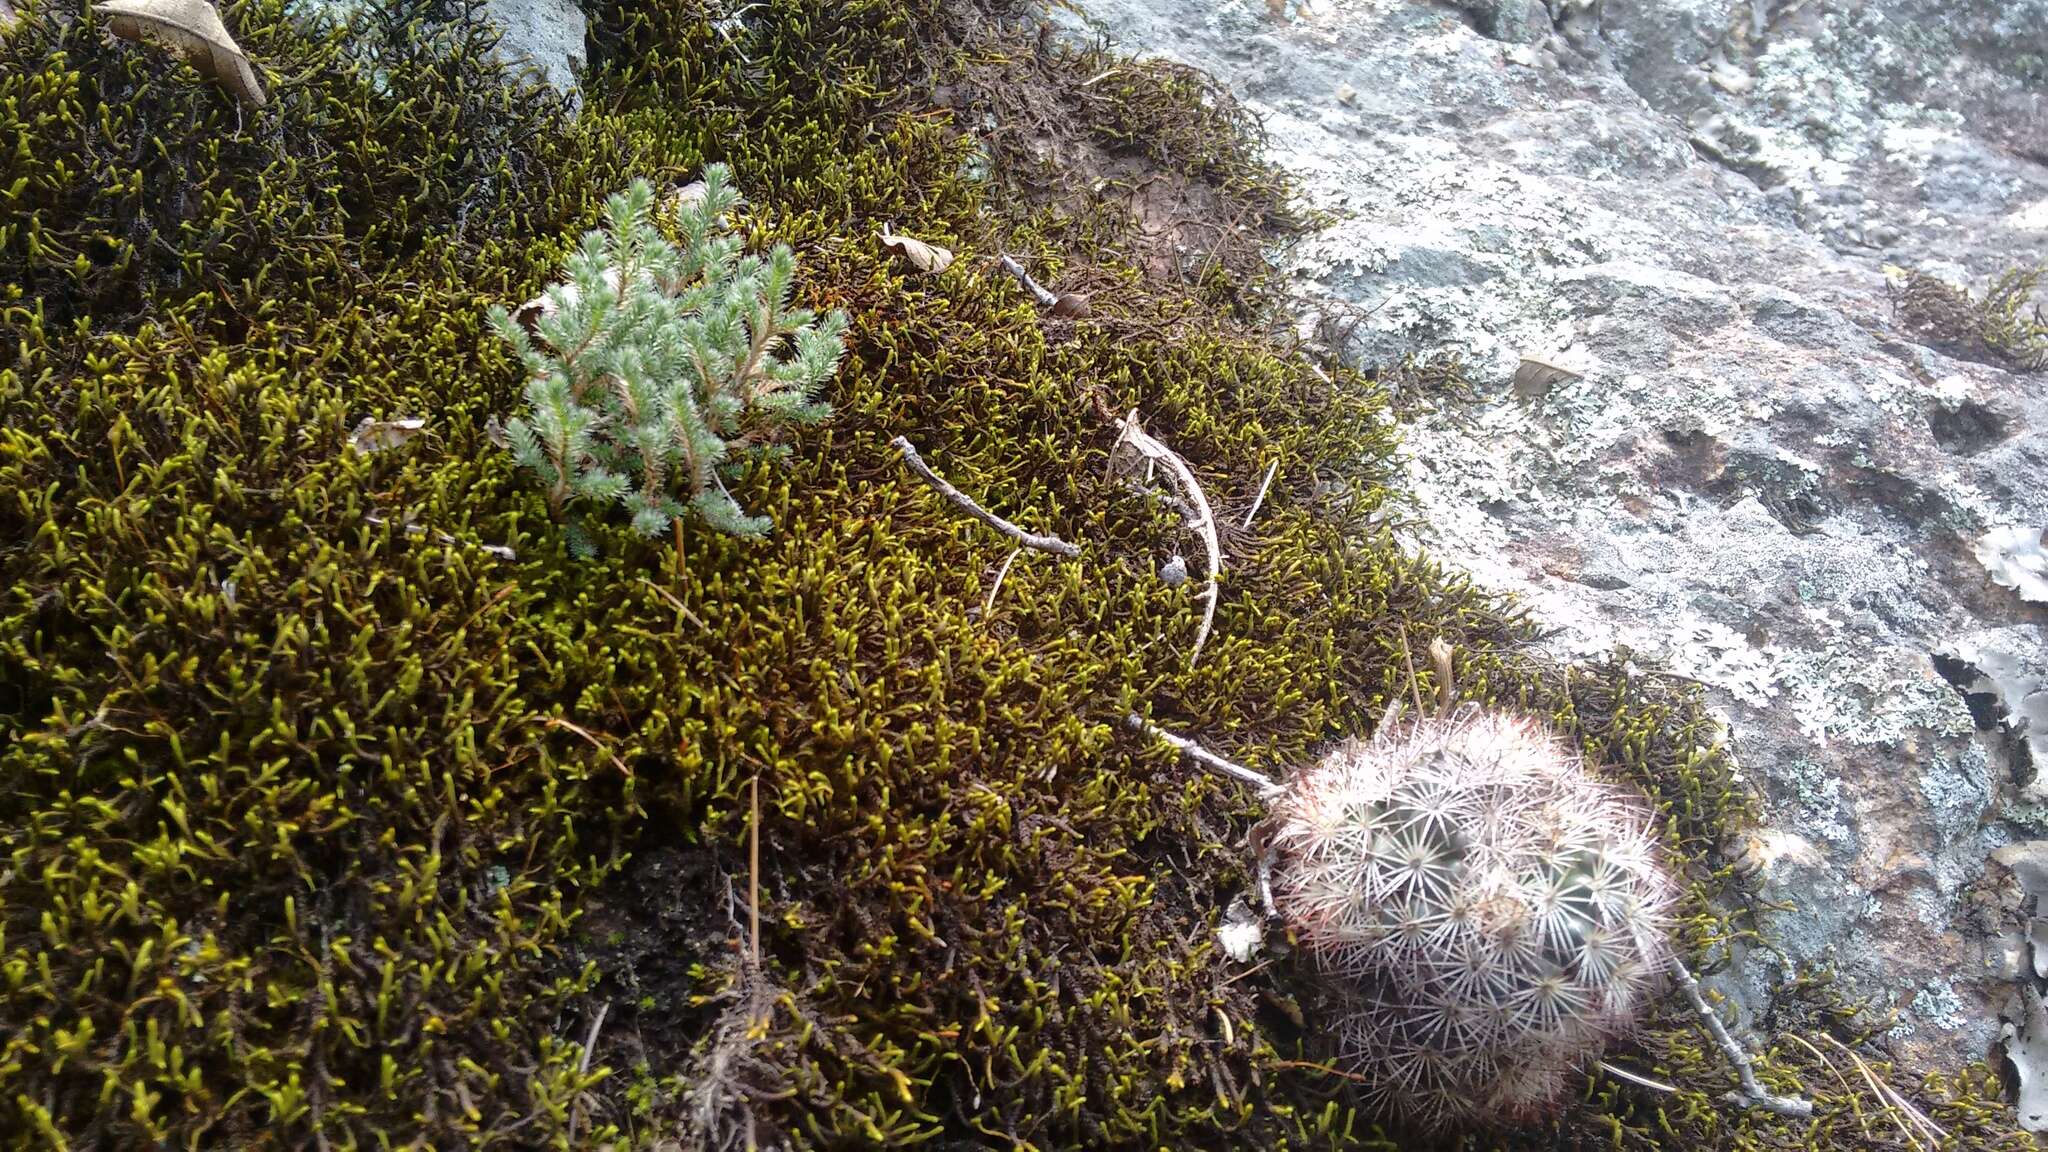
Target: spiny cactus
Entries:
(1493, 914)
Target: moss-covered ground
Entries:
(325, 824)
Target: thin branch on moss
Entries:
(583, 1066)
(1001, 575)
(1202, 517)
(1266, 785)
(673, 600)
(1620, 1073)
(1260, 500)
(1255, 969)
(754, 872)
(1890, 1096)
(961, 500)
(590, 1038)
(594, 742)
(1414, 685)
(1045, 296)
(1752, 1094)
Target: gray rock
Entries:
(548, 34)
(2003, 676)
(545, 35)
(1759, 481)
(1513, 21)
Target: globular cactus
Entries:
(1492, 914)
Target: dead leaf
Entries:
(372, 435)
(530, 314)
(1242, 933)
(1070, 306)
(192, 29)
(922, 256)
(1536, 377)
(494, 431)
(6, 13)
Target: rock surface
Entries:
(1758, 480)
(548, 35)
(545, 33)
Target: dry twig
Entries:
(754, 872)
(998, 585)
(1636, 1078)
(1260, 499)
(961, 500)
(1266, 785)
(594, 742)
(583, 1065)
(590, 1038)
(1414, 685)
(673, 600)
(1201, 518)
(1045, 296)
(1894, 1103)
(1752, 1094)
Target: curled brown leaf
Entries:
(1536, 377)
(923, 256)
(193, 30)
(372, 435)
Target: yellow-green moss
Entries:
(2005, 328)
(304, 794)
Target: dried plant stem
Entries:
(1044, 296)
(1266, 785)
(1752, 1094)
(1440, 656)
(590, 1038)
(1261, 966)
(584, 734)
(1894, 1102)
(998, 585)
(583, 1064)
(1260, 500)
(754, 872)
(674, 602)
(1204, 518)
(961, 500)
(1414, 685)
(1620, 1073)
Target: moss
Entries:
(2005, 328)
(318, 829)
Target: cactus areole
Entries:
(1492, 914)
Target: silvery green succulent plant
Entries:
(654, 367)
